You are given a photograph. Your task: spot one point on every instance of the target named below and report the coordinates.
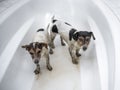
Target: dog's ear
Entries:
(75, 36)
(92, 35)
(27, 47)
(71, 34)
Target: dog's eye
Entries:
(38, 51)
(31, 53)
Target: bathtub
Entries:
(98, 67)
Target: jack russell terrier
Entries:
(39, 48)
(75, 39)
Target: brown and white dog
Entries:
(75, 39)
(39, 48)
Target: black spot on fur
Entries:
(68, 24)
(71, 33)
(40, 30)
(83, 34)
(54, 29)
(54, 21)
(80, 33)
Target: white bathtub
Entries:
(99, 65)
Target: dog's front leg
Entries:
(51, 50)
(49, 67)
(75, 58)
(72, 51)
(62, 42)
(37, 70)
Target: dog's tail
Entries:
(48, 28)
(48, 32)
(51, 22)
(53, 17)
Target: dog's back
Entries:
(62, 26)
(40, 36)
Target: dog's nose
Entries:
(36, 61)
(84, 48)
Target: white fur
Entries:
(63, 30)
(41, 37)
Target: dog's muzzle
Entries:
(36, 61)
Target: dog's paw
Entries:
(53, 46)
(74, 61)
(37, 71)
(49, 68)
(51, 51)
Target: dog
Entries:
(75, 39)
(39, 48)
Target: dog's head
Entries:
(35, 50)
(83, 38)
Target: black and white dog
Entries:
(75, 39)
(39, 48)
